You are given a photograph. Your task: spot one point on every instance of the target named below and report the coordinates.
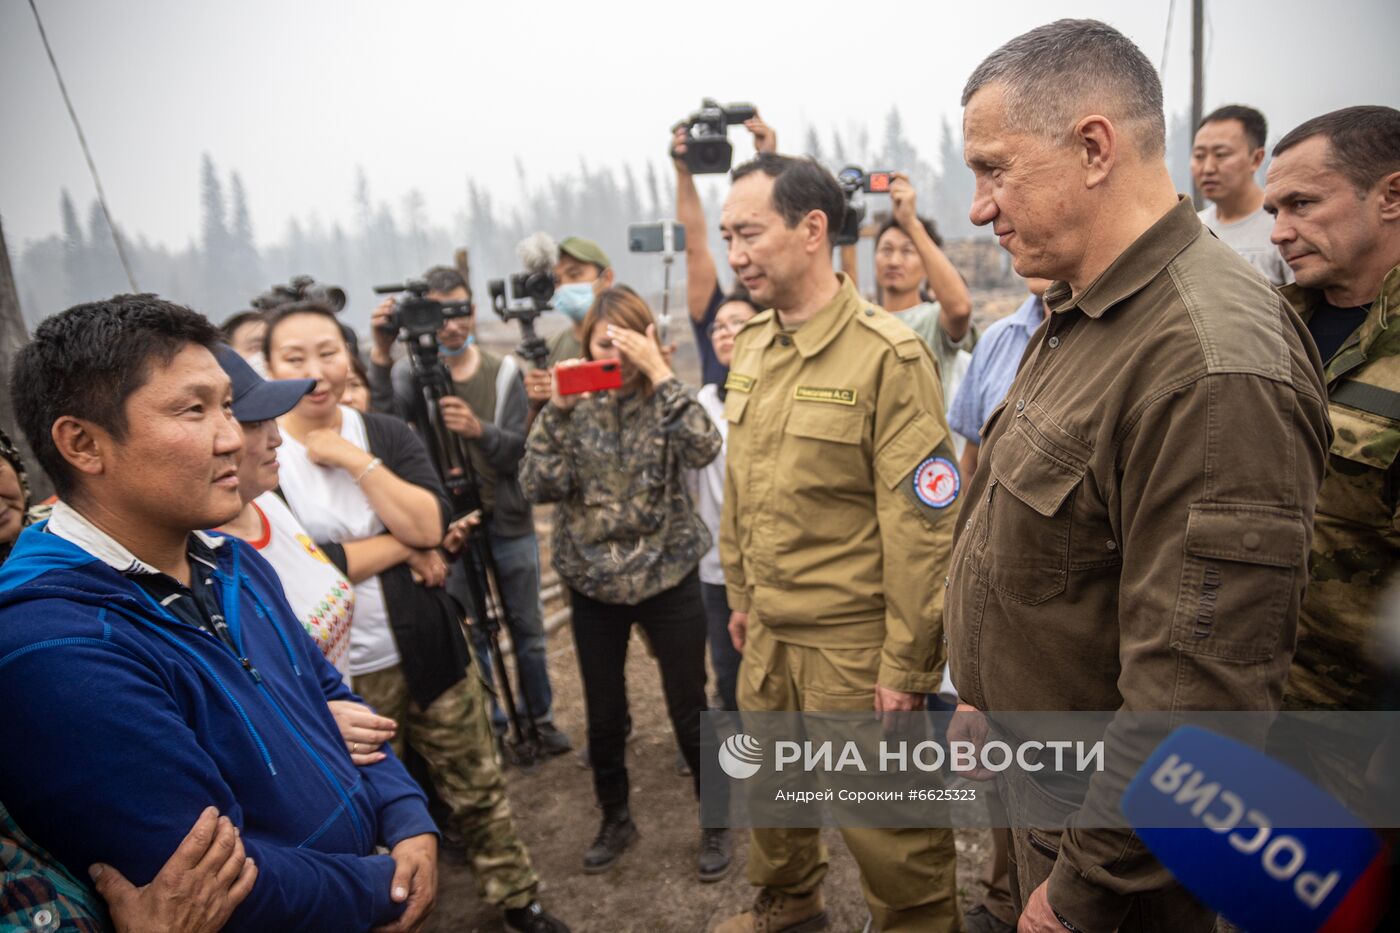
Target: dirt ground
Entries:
(653, 887)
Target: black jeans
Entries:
(674, 621)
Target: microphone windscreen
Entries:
(1216, 813)
(538, 252)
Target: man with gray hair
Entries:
(1136, 535)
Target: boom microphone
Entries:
(1216, 813)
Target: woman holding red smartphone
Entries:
(627, 543)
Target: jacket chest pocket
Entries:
(1358, 488)
(823, 447)
(1023, 546)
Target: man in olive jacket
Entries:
(1136, 536)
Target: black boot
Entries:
(532, 918)
(615, 835)
(552, 741)
(713, 862)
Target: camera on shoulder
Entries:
(707, 147)
(855, 183)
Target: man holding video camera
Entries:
(581, 272)
(488, 410)
(838, 514)
(703, 294)
(908, 254)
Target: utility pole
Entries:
(13, 335)
(1198, 79)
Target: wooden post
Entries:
(13, 335)
(1198, 79)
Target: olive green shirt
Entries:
(1136, 536)
(563, 346)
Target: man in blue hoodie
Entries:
(149, 671)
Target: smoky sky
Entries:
(296, 96)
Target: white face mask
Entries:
(573, 301)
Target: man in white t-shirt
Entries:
(1228, 150)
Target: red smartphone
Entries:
(594, 376)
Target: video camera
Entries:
(417, 316)
(856, 182)
(534, 288)
(707, 148)
(527, 299)
(301, 288)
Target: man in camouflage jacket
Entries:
(1334, 188)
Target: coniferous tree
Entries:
(245, 265)
(75, 268)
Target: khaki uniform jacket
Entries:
(1136, 536)
(1356, 534)
(840, 487)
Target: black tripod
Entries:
(418, 319)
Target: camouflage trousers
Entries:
(454, 738)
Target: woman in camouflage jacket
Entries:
(627, 543)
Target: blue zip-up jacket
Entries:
(121, 723)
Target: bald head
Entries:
(1056, 74)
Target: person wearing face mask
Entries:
(582, 271)
(627, 543)
(488, 410)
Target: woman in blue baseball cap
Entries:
(322, 597)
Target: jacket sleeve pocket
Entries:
(907, 449)
(1237, 579)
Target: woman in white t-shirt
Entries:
(707, 487)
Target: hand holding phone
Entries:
(592, 376)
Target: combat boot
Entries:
(713, 862)
(775, 912)
(614, 836)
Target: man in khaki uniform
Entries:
(837, 526)
(1136, 535)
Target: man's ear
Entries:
(1097, 141)
(1256, 160)
(81, 443)
(814, 228)
(1389, 190)
(606, 278)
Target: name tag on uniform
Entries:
(815, 394)
(738, 382)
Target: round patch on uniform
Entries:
(936, 482)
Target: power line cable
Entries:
(87, 153)
(1166, 40)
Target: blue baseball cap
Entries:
(256, 398)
